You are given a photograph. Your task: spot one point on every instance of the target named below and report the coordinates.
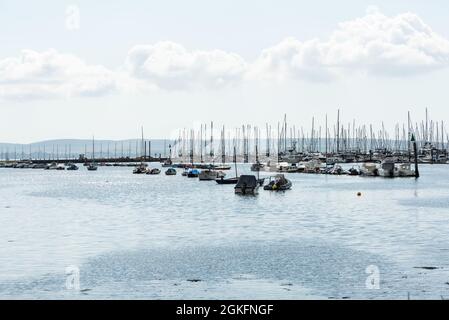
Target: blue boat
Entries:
(193, 173)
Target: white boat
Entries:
(140, 169)
(269, 167)
(314, 166)
(52, 166)
(209, 174)
(153, 171)
(390, 169)
(287, 167)
(369, 169)
(405, 170)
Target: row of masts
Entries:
(331, 140)
(131, 149)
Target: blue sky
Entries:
(92, 79)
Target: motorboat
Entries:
(291, 155)
(257, 166)
(193, 173)
(247, 184)
(369, 169)
(278, 183)
(167, 163)
(39, 166)
(154, 171)
(72, 167)
(336, 170)
(270, 167)
(353, 171)
(287, 167)
(314, 166)
(52, 166)
(405, 170)
(171, 172)
(140, 169)
(92, 167)
(390, 169)
(209, 174)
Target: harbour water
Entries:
(170, 237)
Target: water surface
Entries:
(170, 237)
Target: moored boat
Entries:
(72, 167)
(208, 174)
(193, 173)
(154, 171)
(170, 172)
(140, 169)
(247, 185)
(92, 166)
(278, 183)
(222, 180)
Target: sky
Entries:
(73, 69)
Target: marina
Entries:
(218, 158)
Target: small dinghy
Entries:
(278, 183)
(247, 184)
(170, 172)
(154, 171)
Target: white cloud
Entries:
(171, 66)
(51, 74)
(373, 44)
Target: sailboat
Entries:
(92, 166)
(222, 180)
(142, 167)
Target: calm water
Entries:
(170, 237)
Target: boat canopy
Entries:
(247, 181)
